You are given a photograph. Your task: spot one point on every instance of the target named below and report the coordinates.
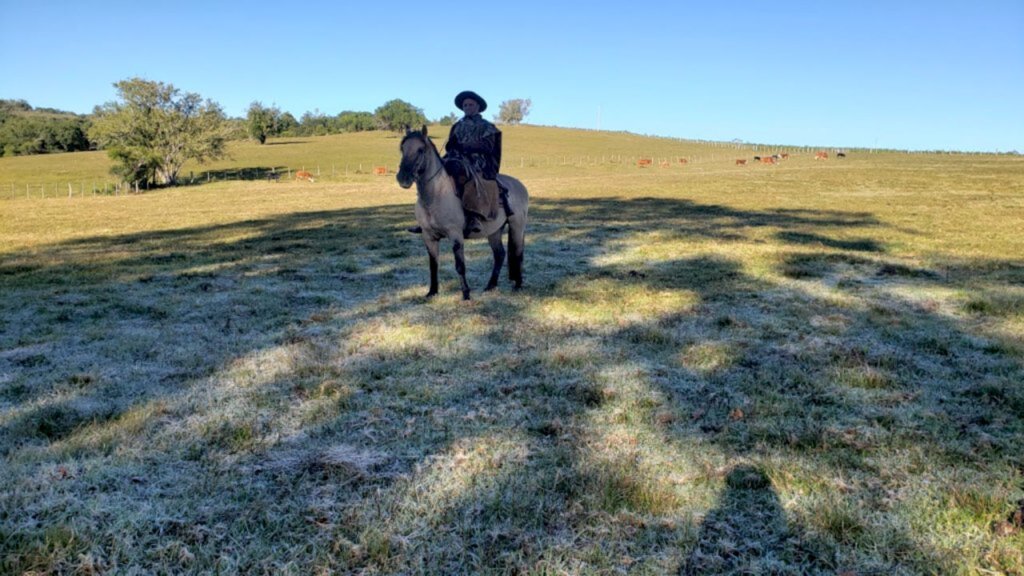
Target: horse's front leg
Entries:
(432, 247)
(460, 267)
(498, 250)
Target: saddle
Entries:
(481, 197)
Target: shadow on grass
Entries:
(860, 245)
(747, 532)
(290, 406)
(251, 173)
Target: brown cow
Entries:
(303, 175)
(821, 155)
(644, 162)
(741, 162)
(683, 161)
(785, 156)
(768, 160)
(380, 170)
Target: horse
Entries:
(439, 213)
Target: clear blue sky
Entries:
(916, 75)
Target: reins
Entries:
(440, 163)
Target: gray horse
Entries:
(439, 213)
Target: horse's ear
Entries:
(424, 129)
(406, 126)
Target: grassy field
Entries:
(815, 367)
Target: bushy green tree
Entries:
(287, 125)
(35, 133)
(313, 123)
(448, 120)
(154, 129)
(513, 111)
(355, 122)
(396, 115)
(261, 121)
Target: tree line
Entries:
(27, 130)
(153, 128)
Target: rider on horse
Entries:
(473, 157)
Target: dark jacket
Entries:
(478, 142)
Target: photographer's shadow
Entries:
(747, 533)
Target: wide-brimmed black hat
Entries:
(470, 94)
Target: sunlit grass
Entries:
(806, 368)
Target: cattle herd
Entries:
(773, 159)
(776, 158)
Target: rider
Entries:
(473, 157)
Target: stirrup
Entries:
(472, 225)
(503, 195)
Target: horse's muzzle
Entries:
(404, 179)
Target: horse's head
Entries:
(417, 151)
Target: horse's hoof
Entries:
(431, 294)
(465, 296)
(490, 287)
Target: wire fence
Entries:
(337, 172)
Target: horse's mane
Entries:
(421, 136)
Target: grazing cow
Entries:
(785, 156)
(683, 161)
(644, 162)
(821, 155)
(768, 160)
(840, 154)
(380, 170)
(741, 162)
(757, 158)
(303, 175)
(273, 176)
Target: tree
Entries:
(397, 115)
(261, 121)
(313, 123)
(513, 111)
(154, 129)
(355, 122)
(25, 130)
(287, 125)
(448, 120)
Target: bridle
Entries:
(440, 164)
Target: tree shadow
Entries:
(859, 245)
(250, 173)
(426, 447)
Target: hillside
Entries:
(342, 157)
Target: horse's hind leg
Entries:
(498, 249)
(460, 267)
(516, 240)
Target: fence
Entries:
(712, 152)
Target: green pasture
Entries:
(809, 368)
